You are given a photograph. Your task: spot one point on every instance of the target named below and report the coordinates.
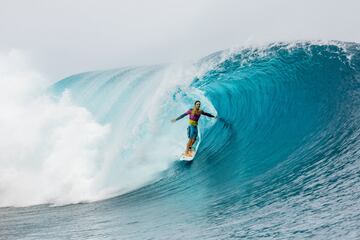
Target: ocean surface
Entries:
(98, 158)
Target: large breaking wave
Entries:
(288, 137)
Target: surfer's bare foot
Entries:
(188, 153)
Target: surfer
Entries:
(192, 131)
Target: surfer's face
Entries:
(197, 105)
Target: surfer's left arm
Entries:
(208, 114)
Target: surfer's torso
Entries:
(194, 116)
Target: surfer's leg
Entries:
(192, 133)
(188, 146)
(193, 137)
(192, 142)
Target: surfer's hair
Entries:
(197, 101)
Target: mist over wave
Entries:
(49, 149)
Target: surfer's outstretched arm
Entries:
(208, 114)
(180, 117)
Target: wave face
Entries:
(283, 160)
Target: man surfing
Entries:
(192, 131)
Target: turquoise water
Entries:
(282, 162)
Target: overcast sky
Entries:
(71, 36)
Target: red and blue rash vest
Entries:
(194, 116)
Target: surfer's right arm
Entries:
(181, 116)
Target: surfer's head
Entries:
(197, 104)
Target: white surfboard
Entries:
(184, 157)
(187, 158)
